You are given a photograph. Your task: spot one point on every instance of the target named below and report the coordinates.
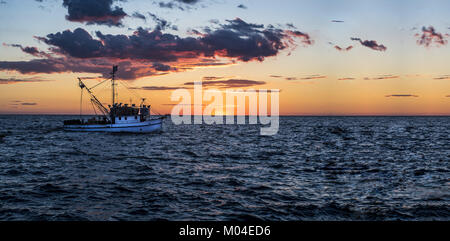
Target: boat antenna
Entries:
(115, 68)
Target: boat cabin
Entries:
(125, 114)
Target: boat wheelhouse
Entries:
(117, 117)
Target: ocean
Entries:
(315, 168)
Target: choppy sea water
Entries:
(316, 168)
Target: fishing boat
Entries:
(117, 117)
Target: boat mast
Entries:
(115, 67)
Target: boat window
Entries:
(125, 118)
(120, 118)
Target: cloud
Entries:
(343, 49)
(346, 78)
(139, 15)
(179, 4)
(237, 40)
(29, 50)
(386, 77)
(313, 77)
(231, 83)
(402, 95)
(20, 102)
(166, 5)
(305, 38)
(276, 76)
(337, 21)
(21, 80)
(443, 77)
(162, 67)
(242, 6)
(100, 12)
(161, 24)
(290, 78)
(188, 1)
(429, 37)
(371, 44)
(212, 77)
(151, 52)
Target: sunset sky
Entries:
(327, 57)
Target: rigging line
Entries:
(137, 95)
(130, 89)
(102, 90)
(81, 103)
(92, 103)
(99, 84)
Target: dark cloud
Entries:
(403, 95)
(314, 77)
(29, 50)
(231, 83)
(28, 103)
(99, 12)
(162, 67)
(346, 78)
(78, 43)
(214, 21)
(443, 77)
(386, 77)
(161, 24)
(139, 15)
(276, 76)
(371, 44)
(311, 77)
(21, 80)
(291, 26)
(188, 1)
(337, 21)
(166, 5)
(237, 39)
(429, 36)
(242, 6)
(128, 70)
(343, 49)
(179, 4)
(212, 77)
(147, 53)
(34, 66)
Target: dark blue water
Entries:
(316, 168)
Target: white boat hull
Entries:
(147, 126)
